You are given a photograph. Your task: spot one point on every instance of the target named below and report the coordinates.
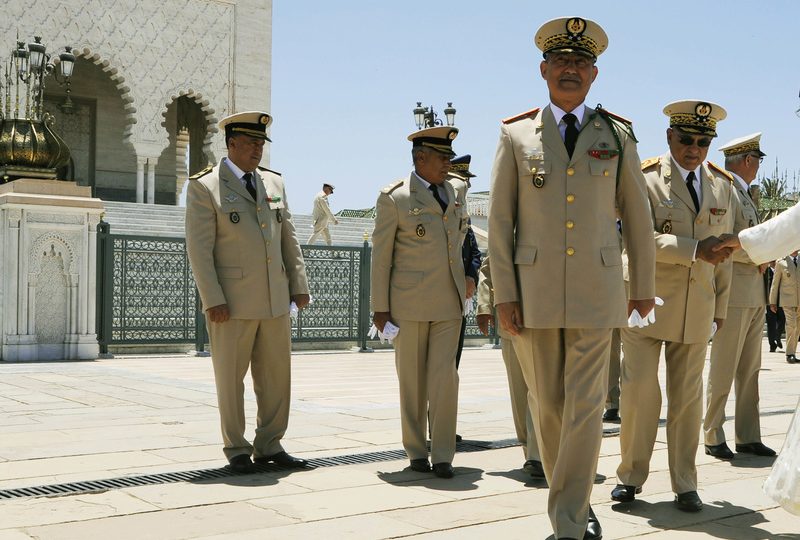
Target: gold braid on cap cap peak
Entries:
(459, 167)
(564, 41)
(751, 146)
(693, 123)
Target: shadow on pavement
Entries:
(466, 479)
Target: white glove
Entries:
(713, 328)
(469, 306)
(293, 310)
(637, 321)
(390, 332)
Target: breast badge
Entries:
(666, 228)
(420, 230)
(234, 217)
(278, 215)
(538, 181)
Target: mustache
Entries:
(571, 78)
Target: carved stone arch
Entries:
(119, 81)
(42, 245)
(209, 113)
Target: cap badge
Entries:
(420, 230)
(702, 110)
(575, 28)
(264, 119)
(452, 135)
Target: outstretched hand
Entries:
(728, 241)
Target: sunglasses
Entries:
(702, 142)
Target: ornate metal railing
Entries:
(147, 294)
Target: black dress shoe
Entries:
(773, 348)
(688, 502)
(593, 529)
(534, 468)
(780, 345)
(611, 415)
(756, 448)
(284, 460)
(420, 465)
(625, 494)
(443, 470)
(458, 437)
(241, 464)
(719, 451)
(790, 358)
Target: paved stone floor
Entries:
(136, 415)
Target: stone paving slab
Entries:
(138, 415)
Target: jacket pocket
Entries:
(406, 280)
(603, 167)
(229, 272)
(525, 255)
(611, 255)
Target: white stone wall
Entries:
(218, 52)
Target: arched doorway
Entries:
(187, 125)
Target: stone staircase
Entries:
(168, 221)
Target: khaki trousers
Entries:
(263, 345)
(792, 329)
(425, 358)
(735, 355)
(566, 370)
(641, 403)
(520, 406)
(320, 231)
(614, 357)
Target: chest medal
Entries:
(420, 230)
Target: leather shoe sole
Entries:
(284, 460)
(241, 464)
(719, 451)
(420, 465)
(688, 502)
(443, 470)
(758, 449)
(625, 494)
(534, 468)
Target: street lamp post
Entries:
(426, 117)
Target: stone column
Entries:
(151, 180)
(140, 161)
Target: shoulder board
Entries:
(619, 121)
(649, 162)
(526, 114)
(202, 173)
(720, 170)
(269, 170)
(393, 186)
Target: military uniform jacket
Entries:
(417, 271)
(747, 283)
(694, 292)
(552, 223)
(322, 211)
(785, 283)
(243, 253)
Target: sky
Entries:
(346, 76)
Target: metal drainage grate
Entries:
(98, 486)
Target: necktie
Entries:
(438, 197)
(690, 185)
(794, 259)
(571, 133)
(251, 188)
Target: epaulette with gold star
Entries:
(526, 114)
(720, 170)
(268, 170)
(649, 162)
(202, 173)
(393, 186)
(621, 122)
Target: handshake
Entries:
(715, 250)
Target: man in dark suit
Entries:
(776, 321)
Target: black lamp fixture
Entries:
(426, 117)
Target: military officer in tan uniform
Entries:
(418, 285)
(736, 349)
(518, 388)
(692, 203)
(248, 267)
(322, 215)
(572, 169)
(786, 287)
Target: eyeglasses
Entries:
(702, 142)
(756, 156)
(563, 60)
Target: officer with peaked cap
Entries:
(322, 215)
(692, 203)
(736, 349)
(571, 168)
(248, 267)
(418, 285)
